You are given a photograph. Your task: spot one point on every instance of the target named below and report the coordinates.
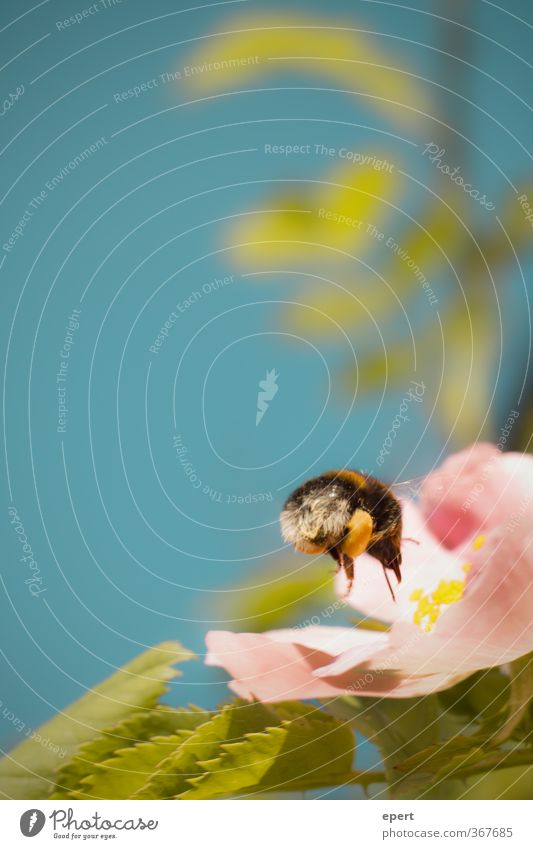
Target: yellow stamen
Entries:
(467, 567)
(429, 606)
(478, 542)
(448, 591)
(424, 605)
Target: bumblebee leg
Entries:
(389, 583)
(348, 566)
(344, 561)
(337, 557)
(395, 564)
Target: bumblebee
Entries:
(343, 514)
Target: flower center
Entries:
(430, 605)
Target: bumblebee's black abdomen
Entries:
(382, 505)
(386, 513)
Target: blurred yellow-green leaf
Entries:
(290, 597)
(255, 45)
(322, 222)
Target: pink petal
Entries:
(492, 623)
(267, 668)
(280, 665)
(282, 662)
(330, 639)
(475, 490)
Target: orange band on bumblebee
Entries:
(353, 477)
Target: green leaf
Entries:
(314, 751)
(512, 783)
(493, 705)
(520, 696)
(28, 772)
(429, 768)
(482, 761)
(232, 723)
(480, 702)
(433, 758)
(399, 727)
(165, 767)
(197, 754)
(459, 757)
(122, 776)
(479, 698)
(141, 727)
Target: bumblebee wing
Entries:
(408, 489)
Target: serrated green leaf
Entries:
(314, 751)
(28, 772)
(141, 727)
(122, 776)
(232, 723)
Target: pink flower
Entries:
(464, 604)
